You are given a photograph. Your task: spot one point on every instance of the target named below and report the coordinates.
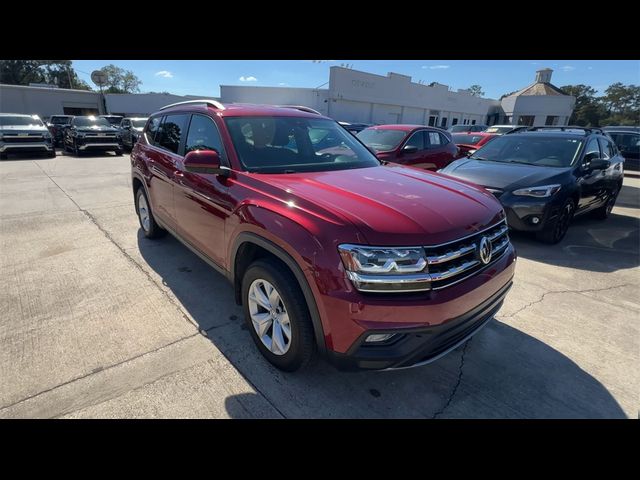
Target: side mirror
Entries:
(599, 164)
(409, 149)
(204, 161)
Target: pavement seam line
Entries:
(162, 290)
(94, 372)
(591, 290)
(455, 387)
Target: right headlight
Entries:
(385, 269)
(542, 191)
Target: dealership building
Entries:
(351, 96)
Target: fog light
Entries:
(535, 220)
(379, 337)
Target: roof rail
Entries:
(302, 108)
(563, 128)
(212, 103)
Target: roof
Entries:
(539, 88)
(245, 110)
(546, 133)
(18, 115)
(403, 127)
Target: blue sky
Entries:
(497, 77)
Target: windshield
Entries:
(460, 128)
(19, 121)
(90, 122)
(60, 120)
(138, 122)
(462, 139)
(295, 144)
(531, 150)
(113, 120)
(381, 139)
(498, 129)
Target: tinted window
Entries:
(152, 129)
(126, 122)
(171, 132)
(434, 140)
(463, 139)
(20, 121)
(592, 151)
(90, 122)
(531, 150)
(606, 147)
(416, 140)
(138, 122)
(443, 139)
(626, 141)
(203, 135)
(60, 120)
(381, 139)
(296, 144)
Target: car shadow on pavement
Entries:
(504, 373)
(595, 245)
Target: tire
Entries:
(51, 154)
(604, 211)
(556, 230)
(147, 222)
(76, 150)
(300, 348)
(118, 152)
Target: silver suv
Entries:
(24, 133)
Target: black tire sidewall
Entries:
(548, 234)
(302, 347)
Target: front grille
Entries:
(93, 139)
(453, 262)
(23, 139)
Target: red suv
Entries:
(414, 145)
(469, 142)
(329, 250)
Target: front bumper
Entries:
(100, 146)
(26, 147)
(521, 211)
(419, 346)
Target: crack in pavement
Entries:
(171, 300)
(455, 387)
(590, 290)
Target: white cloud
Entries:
(568, 68)
(282, 84)
(436, 67)
(248, 79)
(164, 74)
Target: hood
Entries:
(393, 204)
(504, 176)
(23, 128)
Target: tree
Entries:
(587, 110)
(54, 72)
(120, 80)
(476, 90)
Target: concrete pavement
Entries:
(97, 321)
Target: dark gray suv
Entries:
(21, 133)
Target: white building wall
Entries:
(144, 104)
(309, 97)
(540, 106)
(45, 101)
(357, 112)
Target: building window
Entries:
(526, 120)
(551, 120)
(433, 120)
(454, 121)
(473, 122)
(443, 122)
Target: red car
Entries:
(414, 145)
(469, 142)
(328, 250)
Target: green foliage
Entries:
(121, 80)
(476, 90)
(53, 72)
(620, 105)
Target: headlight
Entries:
(384, 269)
(538, 192)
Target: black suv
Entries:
(545, 176)
(627, 140)
(91, 134)
(114, 120)
(131, 129)
(56, 124)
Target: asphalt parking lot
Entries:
(97, 321)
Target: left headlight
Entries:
(384, 269)
(538, 192)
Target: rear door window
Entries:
(172, 131)
(152, 130)
(416, 140)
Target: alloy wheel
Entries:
(143, 211)
(269, 317)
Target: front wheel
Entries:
(277, 315)
(557, 229)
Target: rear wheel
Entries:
(147, 222)
(557, 229)
(277, 315)
(604, 211)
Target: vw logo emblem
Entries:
(486, 249)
